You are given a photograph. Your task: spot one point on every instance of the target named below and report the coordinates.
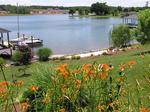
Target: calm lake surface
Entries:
(64, 34)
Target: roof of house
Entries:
(2, 30)
(131, 17)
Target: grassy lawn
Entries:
(136, 74)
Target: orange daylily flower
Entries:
(105, 67)
(45, 100)
(5, 83)
(61, 67)
(62, 110)
(24, 106)
(143, 109)
(4, 95)
(63, 70)
(103, 76)
(18, 83)
(1, 90)
(122, 67)
(111, 105)
(142, 56)
(120, 79)
(100, 108)
(63, 88)
(33, 88)
(86, 68)
(130, 63)
(78, 84)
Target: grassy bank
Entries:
(115, 59)
(135, 75)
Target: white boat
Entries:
(24, 40)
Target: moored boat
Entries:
(27, 40)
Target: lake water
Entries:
(64, 34)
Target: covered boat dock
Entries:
(5, 47)
(130, 20)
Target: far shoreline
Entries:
(80, 16)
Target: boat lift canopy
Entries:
(4, 32)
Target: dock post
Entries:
(2, 39)
(32, 42)
(9, 43)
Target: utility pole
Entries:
(147, 4)
(18, 21)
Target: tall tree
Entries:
(121, 36)
(72, 12)
(144, 26)
(100, 8)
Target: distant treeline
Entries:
(82, 9)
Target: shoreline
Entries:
(82, 55)
(105, 51)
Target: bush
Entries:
(75, 57)
(121, 36)
(17, 56)
(26, 54)
(2, 61)
(23, 55)
(143, 36)
(62, 58)
(88, 88)
(44, 53)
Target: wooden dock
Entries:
(6, 51)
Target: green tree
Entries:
(23, 55)
(121, 36)
(143, 35)
(81, 12)
(100, 8)
(44, 53)
(72, 12)
(119, 8)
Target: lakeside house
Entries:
(48, 11)
(4, 12)
(130, 19)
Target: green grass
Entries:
(115, 60)
(137, 73)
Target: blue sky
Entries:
(76, 2)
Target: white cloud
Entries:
(75, 2)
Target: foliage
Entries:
(89, 87)
(121, 36)
(44, 53)
(83, 11)
(2, 61)
(72, 12)
(135, 95)
(100, 8)
(75, 57)
(143, 35)
(17, 56)
(26, 54)
(23, 55)
(62, 58)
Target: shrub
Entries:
(121, 36)
(2, 61)
(75, 57)
(144, 27)
(23, 55)
(44, 53)
(26, 54)
(62, 58)
(88, 88)
(17, 56)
